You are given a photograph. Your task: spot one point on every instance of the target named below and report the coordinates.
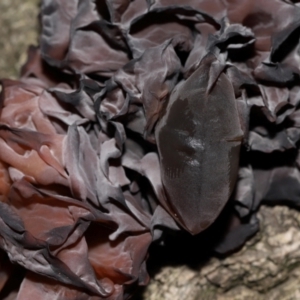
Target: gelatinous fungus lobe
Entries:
(199, 140)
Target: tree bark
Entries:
(18, 29)
(267, 267)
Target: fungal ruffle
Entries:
(133, 118)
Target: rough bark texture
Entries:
(18, 29)
(268, 267)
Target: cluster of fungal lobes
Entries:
(137, 117)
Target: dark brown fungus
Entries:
(135, 118)
(202, 124)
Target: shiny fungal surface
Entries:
(134, 119)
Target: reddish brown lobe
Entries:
(199, 140)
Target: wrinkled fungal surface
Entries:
(134, 119)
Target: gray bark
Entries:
(18, 29)
(267, 267)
